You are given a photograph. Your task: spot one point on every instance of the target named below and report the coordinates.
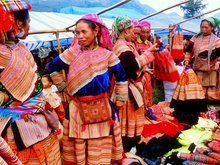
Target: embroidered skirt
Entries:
(92, 151)
(44, 152)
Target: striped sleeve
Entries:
(145, 58)
(67, 56)
(7, 154)
(121, 87)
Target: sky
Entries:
(162, 4)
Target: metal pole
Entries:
(196, 16)
(113, 6)
(163, 10)
(107, 9)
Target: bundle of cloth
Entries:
(164, 66)
(159, 133)
(200, 145)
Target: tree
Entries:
(193, 8)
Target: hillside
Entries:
(55, 6)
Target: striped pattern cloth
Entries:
(14, 5)
(164, 66)
(188, 87)
(132, 120)
(123, 46)
(96, 151)
(19, 74)
(177, 46)
(44, 152)
(86, 65)
(197, 158)
(7, 156)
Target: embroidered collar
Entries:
(139, 40)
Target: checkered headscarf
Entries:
(7, 9)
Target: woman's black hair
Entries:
(92, 26)
(48, 77)
(205, 20)
(22, 15)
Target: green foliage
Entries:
(158, 94)
(193, 8)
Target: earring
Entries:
(127, 36)
(20, 34)
(96, 40)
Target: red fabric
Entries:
(168, 128)
(215, 145)
(177, 54)
(164, 67)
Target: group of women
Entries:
(107, 84)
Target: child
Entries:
(51, 96)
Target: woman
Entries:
(90, 135)
(203, 53)
(22, 124)
(131, 114)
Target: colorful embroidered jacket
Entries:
(21, 96)
(142, 46)
(132, 62)
(192, 50)
(89, 71)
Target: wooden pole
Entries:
(58, 42)
(107, 9)
(163, 10)
(196, 16)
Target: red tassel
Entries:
(112, 122)
(58, 132)
(83, 128)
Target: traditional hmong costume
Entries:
(177, 44)
(90, 135)
(21, 124)
(131, 114)
(164, 66)
(204, 51)
(142, 46)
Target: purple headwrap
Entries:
(144, 24)
(104, 35)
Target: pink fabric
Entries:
(105, 39)
(135, 22)
(144, 23)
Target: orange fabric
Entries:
(44, 152)
(60, 112)
(132, 121)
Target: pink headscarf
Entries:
(104, 35)
(144, 24)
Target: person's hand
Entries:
(153, 48)
(150, 71)
(217, 64)
(186, 63)
(52, 119)
(4, 97)
(119, 103)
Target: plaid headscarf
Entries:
(119, 25)
(104, 35)
(7, 23)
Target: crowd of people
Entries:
(105, 90)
